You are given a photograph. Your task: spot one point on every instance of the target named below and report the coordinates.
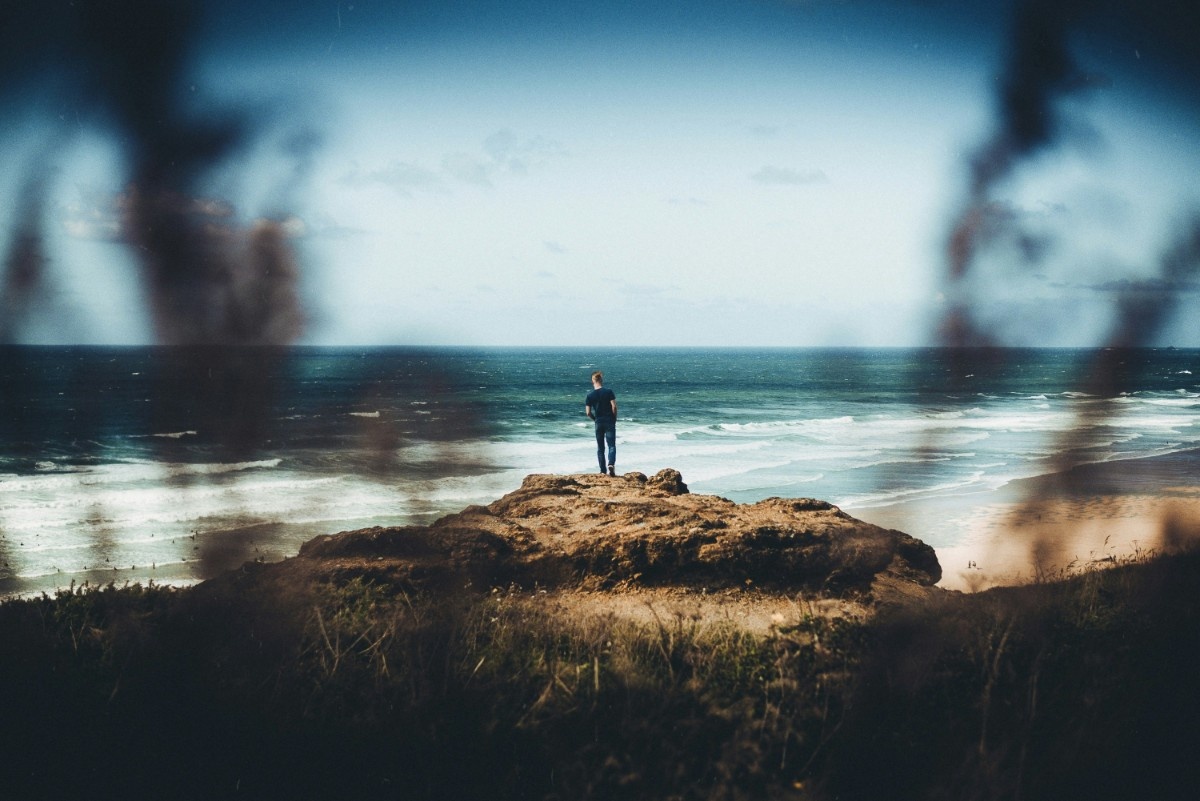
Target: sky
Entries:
(714, 172)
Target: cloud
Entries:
(467, 169)
(1040, 73)
(554, 247)
(501, 145)
(512, 154)
(91, 223)
(1028, 233)
(1147, 286)
(103, 217)
(290, 227)
(763, 131)
(326, 227)
(645, 290)
(401, 176)
(771, 175)
(687, 201)
(502, 153)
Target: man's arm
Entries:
(588, 411)
(614, 405)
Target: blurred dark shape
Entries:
(210, 281)
(1141, 311)
(227, 291)
(223, 285)
(1039, 75)
(1039, 72)
(1143, 307)
(23, 272)
(1180, 533)
(24, 283)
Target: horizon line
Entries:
(479, 347)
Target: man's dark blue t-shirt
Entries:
(600, 401)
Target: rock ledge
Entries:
(631, 532)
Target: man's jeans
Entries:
(606, 432)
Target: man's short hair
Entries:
(598, 377)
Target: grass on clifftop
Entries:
(1082, 688)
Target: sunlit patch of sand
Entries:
(1013, 543)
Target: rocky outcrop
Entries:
(593, 531)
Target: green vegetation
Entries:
(1083, 687)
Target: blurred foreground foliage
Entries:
(1082, 687)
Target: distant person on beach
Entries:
(601, 406)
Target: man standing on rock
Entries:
(601, 406)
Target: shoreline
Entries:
(1049, 525)
(1029, 528)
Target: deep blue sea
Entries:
(137, 464)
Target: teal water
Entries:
(168, 464)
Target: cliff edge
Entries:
(634, 533)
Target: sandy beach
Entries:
(1046, 526)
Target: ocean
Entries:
(170, 464)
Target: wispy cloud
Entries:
(326, 227)
(763, 131)
(95, 218)
(554, 247)
(645, 290)
(1146, 286)
(771, 175)
(1028, 233)
(502, 153)
(509, 152)
(468, 169)
(104, 217)
(400, 176)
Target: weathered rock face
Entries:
(593, 530)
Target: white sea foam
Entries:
(1190, 401)
(758, 485)
(54, 467)
(63, 516)
(975, 480)
(64, 482)
(772, 426)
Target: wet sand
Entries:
(1051, 525)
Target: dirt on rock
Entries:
(639, 546)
